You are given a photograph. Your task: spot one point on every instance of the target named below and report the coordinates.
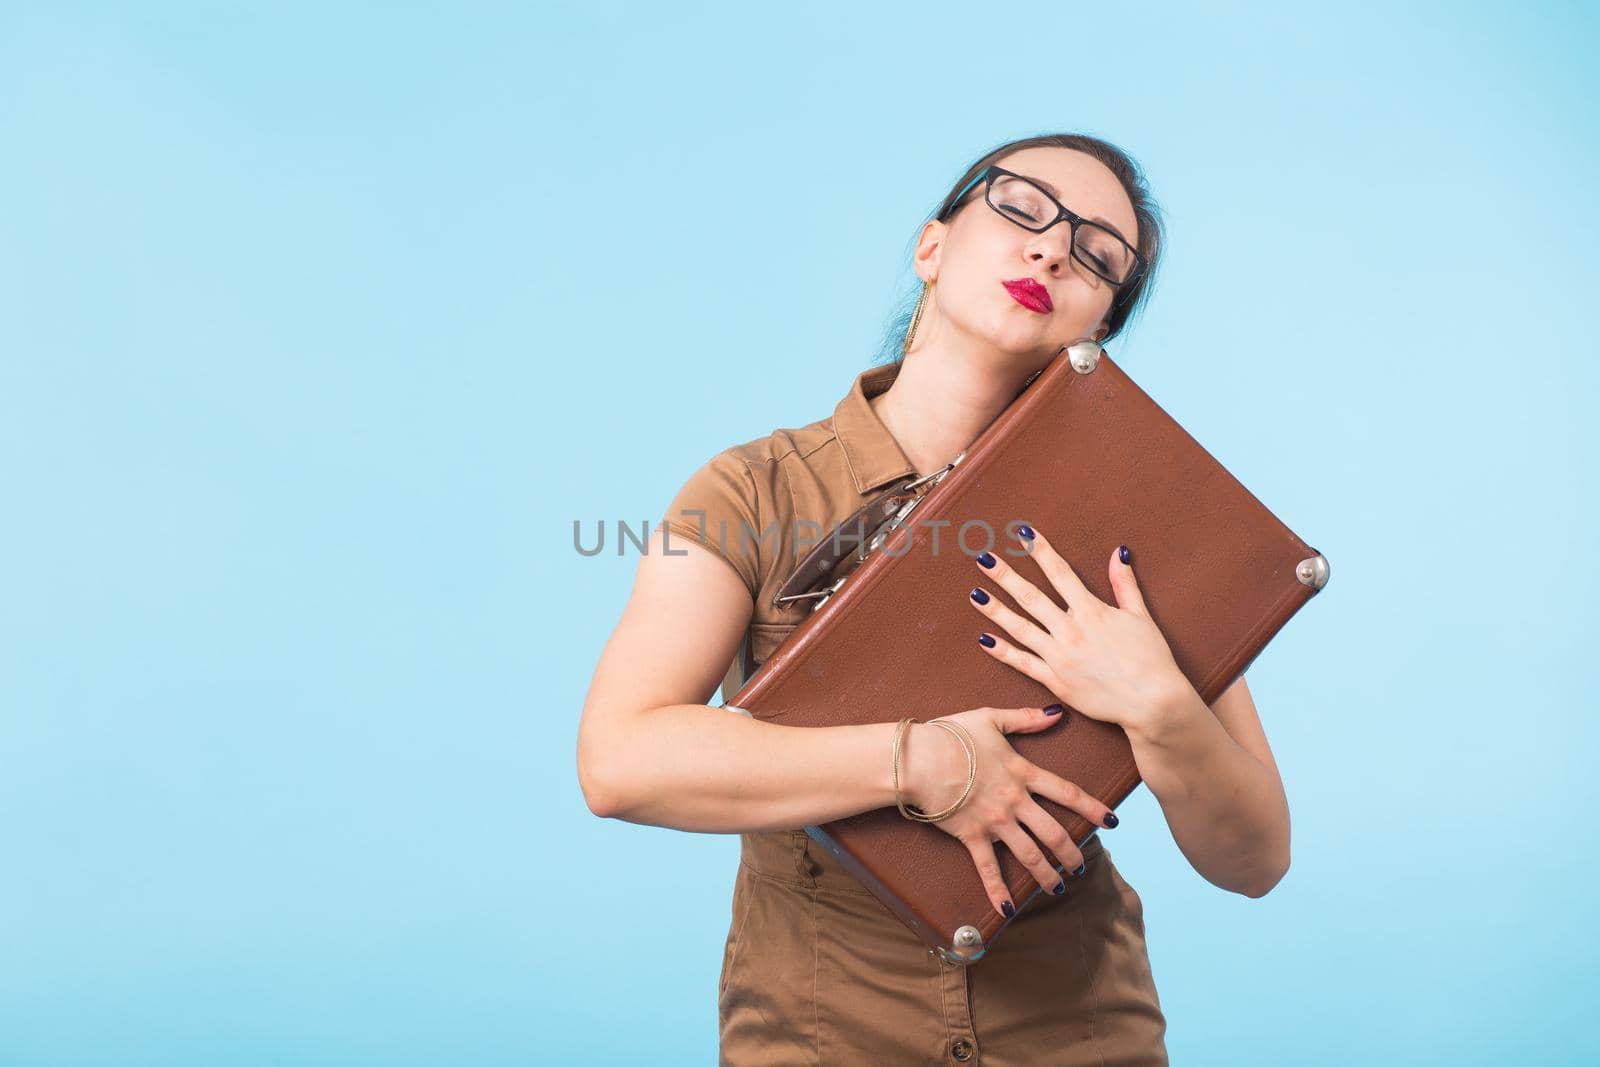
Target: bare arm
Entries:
(650, 750)
(1219, 787)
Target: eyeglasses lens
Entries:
(1095, 246)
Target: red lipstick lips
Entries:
(1030, 294)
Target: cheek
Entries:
(975, 298)
(975, 268)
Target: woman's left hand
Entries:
(1111, 663)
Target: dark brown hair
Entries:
(1130, 299)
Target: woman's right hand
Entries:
(1001, 802)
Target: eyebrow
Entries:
(1053, 191)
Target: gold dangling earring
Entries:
(916, 317)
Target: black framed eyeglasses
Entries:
(1023, 201)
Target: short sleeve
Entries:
(718, 508)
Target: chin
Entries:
(1018, 362)
(1023, 348)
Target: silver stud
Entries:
(1314, 571)
(1084, 356)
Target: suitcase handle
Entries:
(830, 562)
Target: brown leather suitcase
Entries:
(1088, 458)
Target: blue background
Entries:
(320, 325)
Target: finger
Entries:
(1028, 720)
(1125, 584)
(1052, 835)
(1058, 570)
(1026, 662)
(1028, 853)
(1028, 596)
(1024, 631)
(1052, 786)
(983, 858)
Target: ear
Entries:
(930, 247)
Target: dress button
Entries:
(961, 1049)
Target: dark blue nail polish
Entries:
(1007, 907)
(986, 560)
(1025, 532)
(980, 596)
(1111, 820)
(1060, 890)
(1124, 555)
(1078, 871)
(985, 640)
(1054, 709)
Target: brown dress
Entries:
(815, 969)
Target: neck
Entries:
(942, 399)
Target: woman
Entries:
(1044, 242)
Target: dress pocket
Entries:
(767, 1010)
(742, 893)
(1131, 902)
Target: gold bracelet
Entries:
(894, 763)
(971, 746)
(964, 737)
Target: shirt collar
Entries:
(871, 452)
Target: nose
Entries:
(1051, 249)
